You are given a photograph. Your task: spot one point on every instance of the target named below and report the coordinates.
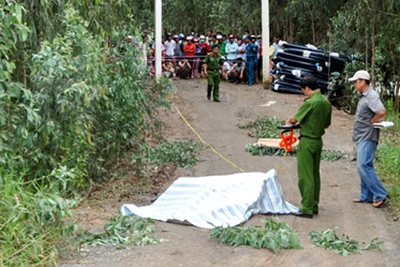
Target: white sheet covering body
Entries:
(212, 201)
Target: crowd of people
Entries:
(184, 55)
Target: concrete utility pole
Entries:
(158, 33)
(265, 41)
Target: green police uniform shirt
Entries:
(213, 62)
(314, 116)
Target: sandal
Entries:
(379, 204)
(357, 200)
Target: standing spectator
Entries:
(237, 73)
(209, 37)
(143, 46)
(314, 116)
(275, 43)
(251, 55)
(170, 46)
(222, 44)
(260, 57)
(189, 50)
(177, 52)
(369, 111)
(212, 65)
(196, 61)
(231, 49)
(241, 51)
(205, 49)
(182, 43)
(259, 40)
(213, 41)
(153, 48)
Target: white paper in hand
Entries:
(383, 124)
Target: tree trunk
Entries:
(24, 69)
(366, 52)
(373, 46)
(396, 107)
(311, 11)
(291, 26)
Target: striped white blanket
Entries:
(212, 201)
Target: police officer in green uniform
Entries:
(314, 117)
(212, 64)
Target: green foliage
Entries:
(223, 16)
(353, 29)
(273, 235)
(183, 154)
(81, 108)
(260, 150)
(266, 127)
(123, 230)
(80, 114)
(344, 246)
(33, 223)
(387, 159)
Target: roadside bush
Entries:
(81, 109)
(80, 113)
(388, 157)
(32, 224)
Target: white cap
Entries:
(360, 75)
(281, 43)
(219, 36)
(189, 38)
(202, 37)
(223, 58)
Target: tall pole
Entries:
(265, 42)
(158, 33)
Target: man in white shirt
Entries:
(236, 74)
(231, 49)
(143, 46)
(226, 67)
(170, 46)
(241, 51)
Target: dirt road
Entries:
(216, 123)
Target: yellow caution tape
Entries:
(204, 142)
(284, 156)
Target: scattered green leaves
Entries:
(274, 235)
(183, 154)
(260, 150)
(344, 245)
(124, 230)
(266, 127)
